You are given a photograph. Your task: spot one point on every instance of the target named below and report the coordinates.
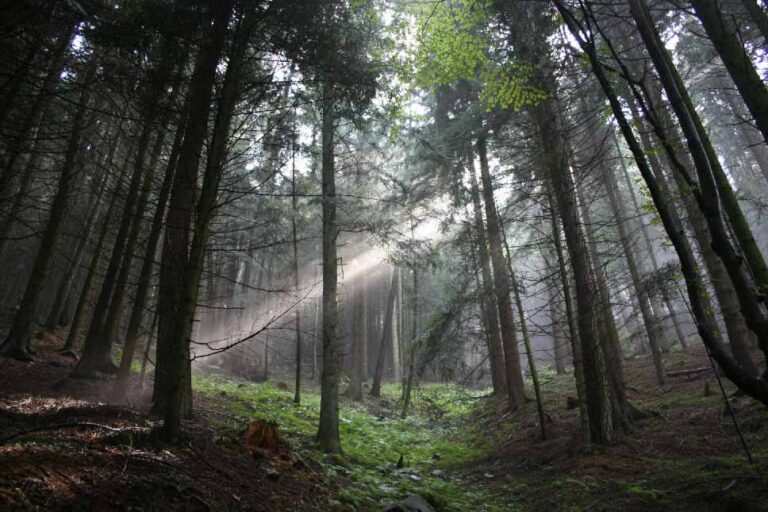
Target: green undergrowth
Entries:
(433, 440)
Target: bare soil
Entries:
(72, 451)
(685, 456)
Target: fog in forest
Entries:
(398, 255)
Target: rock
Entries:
(273, 474)
(437, 472)
(413, 503)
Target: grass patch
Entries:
(433, 440)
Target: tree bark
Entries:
(752, 385)
(576, 350)
(514, 375)
(495, 351)
(179, 275)
(145, 274)
(716, 194)
(386, 335)
(328, 431)
(724, 34)
(16, 344)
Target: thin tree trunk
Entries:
(85, 294)
(649, 320)
(297, 311)
(754, 386)
(725, 37)
(514, 374)
(62, 293)
(16, 344)
(712, 182)
(576, 350)
(725, 287)
(411, 376)
(495, 350)
(527, 342)
(98, 342)
(386, 335)
(649, 248)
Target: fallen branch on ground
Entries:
(684, 373)
(59, 426)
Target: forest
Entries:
(384, 255)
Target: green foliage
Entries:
(509, 87)
(455, 44)
(374, 437)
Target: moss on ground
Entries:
(435, 438)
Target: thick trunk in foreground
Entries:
(573, 330)
(328, 431)
(598, 393)
(172, 379)
(147, 266)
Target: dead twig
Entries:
(59, 426)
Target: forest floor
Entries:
(63, 447)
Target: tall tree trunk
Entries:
(62, 293)
(621, 410)
(12, 215)
(145, 274)
(649, 320)
(178, 282)
(599, 388)
(386, 335)
(716, 194)
(649, 246)
(297, 311)
(724, 286)
(526, 341)
(32, 115)
(495, 351)
(752, 385)
(98, 342)
(725, 37)
(412, 353)
(16, 344)
(328, 431)
(514, 374)
(85, 294)
(573, 330)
